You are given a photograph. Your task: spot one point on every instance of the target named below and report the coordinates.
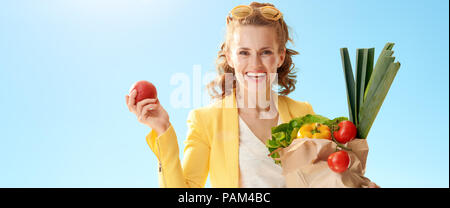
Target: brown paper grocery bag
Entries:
(305, 165)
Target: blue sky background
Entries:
(65, 67)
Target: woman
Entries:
(226, 139)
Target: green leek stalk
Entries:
(372, 85)
(350, 84)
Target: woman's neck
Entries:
(261, 104)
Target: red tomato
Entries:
(144, 90)
(338, 161)
(346, 132)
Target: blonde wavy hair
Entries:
(286, 73)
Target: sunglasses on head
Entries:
(268, 12)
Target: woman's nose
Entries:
(256, 62)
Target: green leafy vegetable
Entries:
(284, 134)
(335, 122)
(280, 128)
(298, 122)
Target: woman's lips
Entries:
(255, 76)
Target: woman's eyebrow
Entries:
(267, 47)
(244, 48)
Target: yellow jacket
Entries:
(212, 145)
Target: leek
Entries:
(372, 84)
(372, 105)
(350, 84)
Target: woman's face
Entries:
(254, 55)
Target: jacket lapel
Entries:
(231, 146)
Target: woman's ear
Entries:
(282, 56)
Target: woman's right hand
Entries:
(149, 112)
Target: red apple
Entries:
(144, 90)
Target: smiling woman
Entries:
(226, 139)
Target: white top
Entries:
(256, 169)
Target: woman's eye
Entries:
(267, 52)
(243, 53)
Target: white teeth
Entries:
(255, 76)
(251, 74)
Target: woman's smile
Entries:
(255, 76)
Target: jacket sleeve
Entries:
(195, 166)
(299, 108)
(309, 108)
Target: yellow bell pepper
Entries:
(314, 131)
